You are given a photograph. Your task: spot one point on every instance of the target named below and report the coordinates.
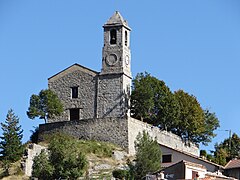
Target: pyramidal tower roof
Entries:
(116, 20)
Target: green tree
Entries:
(178, 112)
(42, 168)
(234, 148)
(153, 102)
(220, 156)
(194, 123)
(45, 105)
(203, 153)
(227, 150)
(211, 123)
(191, 117)
(142, 97)
(148, 156)
(11, 141)
(65, 161)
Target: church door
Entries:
(74, 114)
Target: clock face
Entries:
(111, 59)
(127, 59)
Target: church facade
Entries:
(88, 94)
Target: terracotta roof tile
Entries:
(235, 163)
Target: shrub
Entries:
(120, 174)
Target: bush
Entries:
(66, 161)
(42, 168)
(34, 136)
(120, 174)
(101, 149)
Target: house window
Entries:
(166, 158)
(74, 92)
(113, 36)
(74, 114)
(126, 38)
(195, 175)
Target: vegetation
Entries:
(152, 101)
(101, 149)
(227, 150)
(194, 123)
(10, 144)
(42, 167)
(148, 156)
(121, 174)
(178, 112)
(34, 135)
(65, 160)
(45, 105)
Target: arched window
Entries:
(126, 38)
(113, 36)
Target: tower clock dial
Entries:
(126, 59)
(111, 59)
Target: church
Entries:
(86, 93)
(96, 104)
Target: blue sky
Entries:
(191, 45)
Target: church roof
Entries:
(71, 68)
(116, 20)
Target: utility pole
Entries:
(229, 141)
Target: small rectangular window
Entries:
(74, 92)
(166, 158)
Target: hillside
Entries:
(102, 159)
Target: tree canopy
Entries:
(11, 141)
(194, 123)
(227, 150)
(148, 156)
(64, 160)
(152, 101)
(44, 105)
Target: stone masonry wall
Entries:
(120, 131)
(163, 137)
(112, 130)
(86, 101)
(110, 96)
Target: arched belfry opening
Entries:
(113, 36)
(126, 38)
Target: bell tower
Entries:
(114, 81)
(116, 55)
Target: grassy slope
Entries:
(97, 153)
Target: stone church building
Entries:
(97, 103)
(89, 94)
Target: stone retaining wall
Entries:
(163, 137)
(120, 131)
(112, 130)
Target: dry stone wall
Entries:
(120, 131)
(112, 130)
(163, 137)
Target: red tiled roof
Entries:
(191, 155)
(235, 163)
